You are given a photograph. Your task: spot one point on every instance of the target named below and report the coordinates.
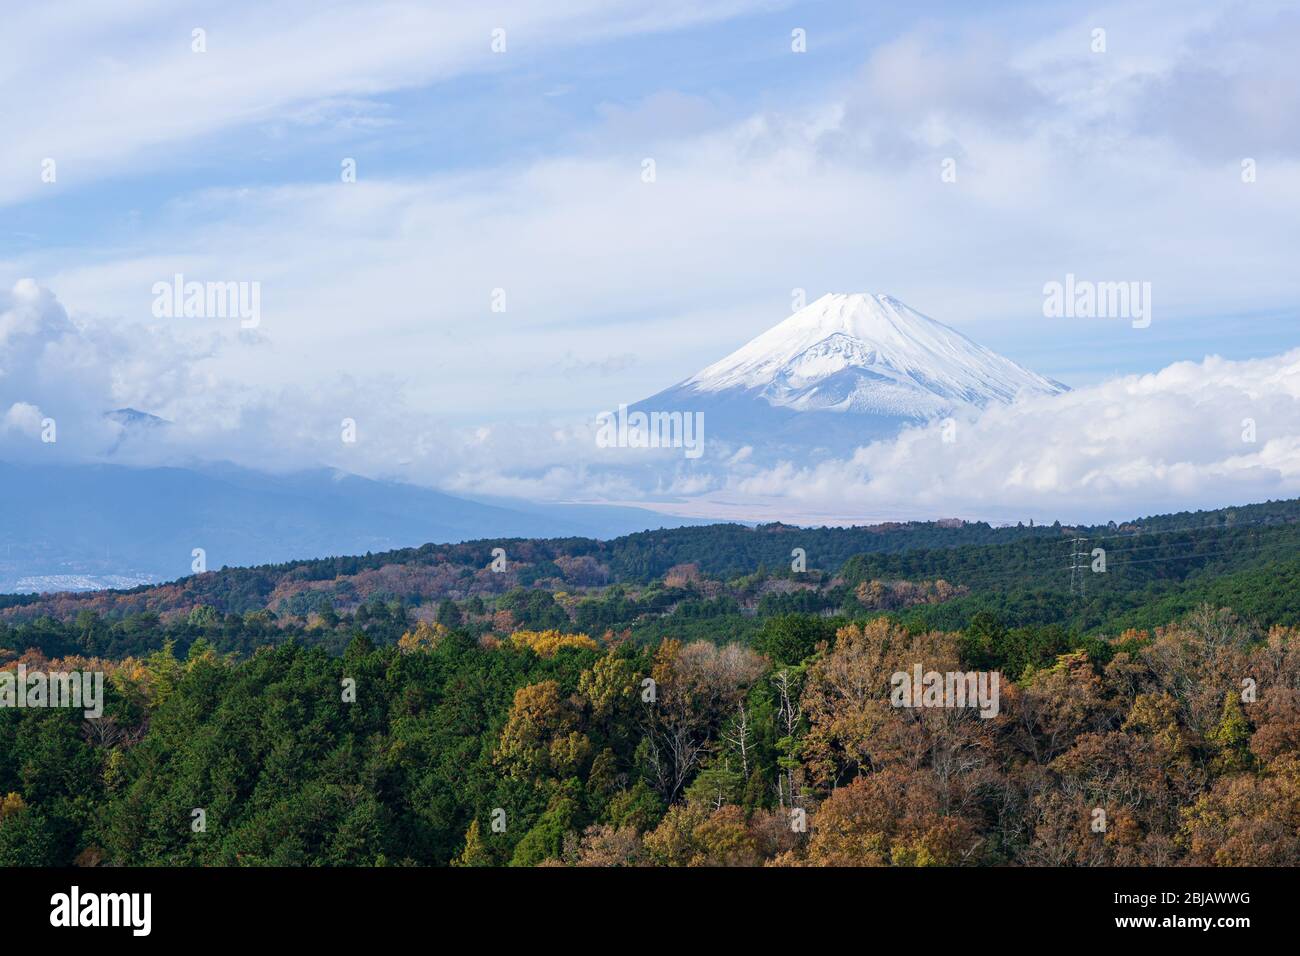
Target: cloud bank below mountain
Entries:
(1193, 435)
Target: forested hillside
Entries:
(682, 697)
(716, 583)
(544, 748)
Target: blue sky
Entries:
(521, 171)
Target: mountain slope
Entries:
(74, 527)
(871, 358)
(1157, 568)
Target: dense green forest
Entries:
(686, 697)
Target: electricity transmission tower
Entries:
(1079, 566)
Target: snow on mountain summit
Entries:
(868, 354)
(838, 374)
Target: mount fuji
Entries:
(841, 372)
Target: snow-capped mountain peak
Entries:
(840, 373)
(868, 354)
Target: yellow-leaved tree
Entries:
(548, 643)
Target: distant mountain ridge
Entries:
(76, 527)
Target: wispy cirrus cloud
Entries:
(110, 91)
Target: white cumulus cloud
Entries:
(1193, 435)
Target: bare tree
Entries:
(738, 736)
(788, 715)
